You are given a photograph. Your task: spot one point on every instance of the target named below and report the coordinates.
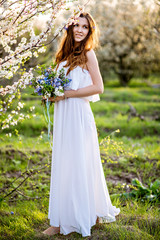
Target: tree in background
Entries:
(129, 44)
(19, 43)
(157, 22)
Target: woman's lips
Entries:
(77, 35)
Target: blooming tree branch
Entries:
(16, 20)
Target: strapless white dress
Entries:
(78, 190)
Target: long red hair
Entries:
(76, 56)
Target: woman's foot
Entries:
(52, 231)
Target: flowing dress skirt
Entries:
(78, 191)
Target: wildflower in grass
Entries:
(32, 108)
(8, 134)
(117, 131)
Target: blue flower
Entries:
(38, 90)
(57, 82)
(46, 73)
(67, 83)
(39, 81)
(48, 82)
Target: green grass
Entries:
(136, 221)
(134, 152)
(132, 94)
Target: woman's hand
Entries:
(54, 99)
(97, 83)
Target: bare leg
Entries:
(52, 231)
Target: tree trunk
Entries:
(124, 79)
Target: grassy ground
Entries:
(136, 221)
(131, 153)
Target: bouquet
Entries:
(49, 82)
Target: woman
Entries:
(78, 193)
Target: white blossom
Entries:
(5, 126)
(35, 54)
(32, 108)
(20, 104)
(58, 93)
(42, 49)
(12, 31)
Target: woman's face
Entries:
(80, 29)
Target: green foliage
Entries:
(139, 191)
(29, 219)
(132, 152)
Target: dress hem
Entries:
(102, 220)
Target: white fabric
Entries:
(81, 78)
(78, 191)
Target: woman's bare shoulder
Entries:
(90, 54)
(91, 58)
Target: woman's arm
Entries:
(94, 71)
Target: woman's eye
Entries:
(76, 25)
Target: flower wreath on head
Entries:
(74, 18)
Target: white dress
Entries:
(78, 191)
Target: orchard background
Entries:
(127, 117)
